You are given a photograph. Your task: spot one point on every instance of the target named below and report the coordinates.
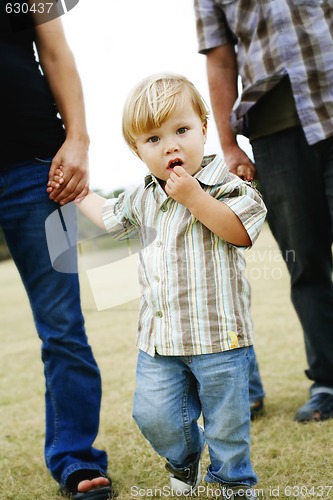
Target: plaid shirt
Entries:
(275, 38)
(195, 298)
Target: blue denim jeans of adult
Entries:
(172, 392)
(73, 384)
(256, 389)
(297, 184)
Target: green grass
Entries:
(284, 454)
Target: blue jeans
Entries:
(256, 388)
(73, 385)
(297, 184)
(172, 391)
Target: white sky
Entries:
(116, 43)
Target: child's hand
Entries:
(57, 180)
(182, 187)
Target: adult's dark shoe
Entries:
(257, 409)
(319, 407)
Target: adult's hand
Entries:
(239, 163)
(72, 157)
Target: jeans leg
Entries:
(73, 385)
(256, 389)
(223, 380)
(166, 408)
(292, 181)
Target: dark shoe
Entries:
(319, 407)
(186, 480)
(103, 493)
(97, 494)
(257, 409)
(237, 492)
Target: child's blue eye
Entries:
(153, 139)
(182, 130)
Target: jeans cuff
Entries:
(211, 478)
(75, 467)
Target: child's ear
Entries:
(204, 129)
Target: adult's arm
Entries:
(222, 75)
(58, 64)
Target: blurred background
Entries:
(116, 44)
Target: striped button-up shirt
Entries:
(276, 38)
(195, 298)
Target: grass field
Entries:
(292, 460)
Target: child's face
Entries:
(179, 140)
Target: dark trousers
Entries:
(297, 184)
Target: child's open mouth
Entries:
(174, 163)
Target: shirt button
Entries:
(159, 243)
(157, 278)
(164, 208)
(159, 314)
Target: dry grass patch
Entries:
(285, 454)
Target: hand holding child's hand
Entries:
(239, 163)
(56, 181)
(182, 187)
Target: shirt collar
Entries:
(213, 171)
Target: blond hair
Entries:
(153, 100)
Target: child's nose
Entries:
(171, 146)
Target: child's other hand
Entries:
(182, 187)
(57, 180)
